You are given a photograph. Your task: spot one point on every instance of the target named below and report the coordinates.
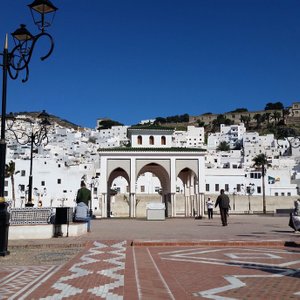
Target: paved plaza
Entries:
(255, 257)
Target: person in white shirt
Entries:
(210, 208)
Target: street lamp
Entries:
(37, 137)
(249, 189)
(13, 63)
(234, 194)
(94, 183)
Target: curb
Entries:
(214, 243)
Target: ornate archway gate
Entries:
(166, 164)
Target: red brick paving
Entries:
(177, 272)
(210, 261)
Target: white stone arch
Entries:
(166, 165)
(164, 177)
(111, 177)
(190, 184)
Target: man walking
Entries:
(223, 203)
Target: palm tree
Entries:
(276, 116)
(246, 120)
(267, 117)
(261, 162)
(259, 119)
(10, 171)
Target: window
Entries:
(289, 194)
(43, 183)
(5, 183)
(58, 181)
(142, 189)
(226, 187)
(139, 140)
(282, 194)
(207, 187)
(23, 173)
(217, 187)
(276, 194)
(259, 190)
(151, 140)
(163, 140)
(238, 187)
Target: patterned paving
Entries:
(17, 282)
(241, 273)
(115, 270)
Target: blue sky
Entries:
(141, 59)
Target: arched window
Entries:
(163, 140)
(139, 140)
(151, 140)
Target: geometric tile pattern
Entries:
(106, 282)
(284, 264)
(17, 282)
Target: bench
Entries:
(30, 215)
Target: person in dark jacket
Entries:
(83, 194)
(224, 204)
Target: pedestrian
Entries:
(83, 194)
(297, 207)
(295, 217)
(210, 208)
(82, 214)
(224, 204)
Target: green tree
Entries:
(200, 123)
(276, 116)
(246, 120)
(267, 117)
(272, 106)
(259, 119)
(10, 172)
(261, 163)
(223, 146)
(107, 124)
(221, 119)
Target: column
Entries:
(173, 204)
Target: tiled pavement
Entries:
(122, 270)
(247, 260)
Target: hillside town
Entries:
(66, 156)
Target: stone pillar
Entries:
(104, 205)
(173, 204)
(132, 206)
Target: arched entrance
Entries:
(190, 182)
(111, 192)
(167, 166)
(164, 178)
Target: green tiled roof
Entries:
(131, 149)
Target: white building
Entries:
(150, 138)
(193, 137)
(232, 134)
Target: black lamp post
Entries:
(13, 63)
(93, 184)
(37, 137)
(249, 189)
